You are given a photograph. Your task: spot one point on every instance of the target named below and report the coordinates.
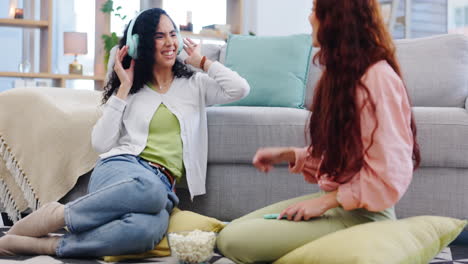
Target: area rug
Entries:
(450, 255)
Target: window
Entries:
(83, 21)
(458, 16)
(129, 10)
(74, 16)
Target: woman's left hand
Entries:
(193, 51)
(308, 209)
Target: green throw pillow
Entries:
(275, 67)
(413, 240)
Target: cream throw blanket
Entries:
(45, 144)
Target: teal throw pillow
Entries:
(275, 67)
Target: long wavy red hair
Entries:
(352, 37)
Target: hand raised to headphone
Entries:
(125, 75)
(193, 51)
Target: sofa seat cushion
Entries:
(442, 135)
(235, 133)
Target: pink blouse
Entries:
(389, 167)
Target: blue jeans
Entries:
(125, 211)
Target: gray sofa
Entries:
(435, 70)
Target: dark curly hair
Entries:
(145, 26)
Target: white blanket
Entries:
(45, 144)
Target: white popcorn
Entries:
(192, 247)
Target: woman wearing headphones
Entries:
(153, 133)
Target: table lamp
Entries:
(13, 5)
(75, 43)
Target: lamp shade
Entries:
(13, 5)
(75, 43)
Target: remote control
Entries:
(274, 216)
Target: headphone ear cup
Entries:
(133, 46)
(181, 43)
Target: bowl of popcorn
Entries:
(191, 247)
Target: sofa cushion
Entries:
(435, 69)
(315, 71)
(235, 133)
(275, 67)
(442, 136)
(407, 241)
(222, 54)
(314, 74)
(211, 51)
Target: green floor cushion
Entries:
(413, 240)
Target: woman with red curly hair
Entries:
(363, 146)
